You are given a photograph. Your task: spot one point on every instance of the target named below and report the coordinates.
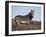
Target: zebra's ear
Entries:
(32, 12)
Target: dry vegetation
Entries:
(34, 25)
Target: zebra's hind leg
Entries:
(14, 25)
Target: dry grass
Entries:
(34, 25)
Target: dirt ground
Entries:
(34, 25)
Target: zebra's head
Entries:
(31, 14)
